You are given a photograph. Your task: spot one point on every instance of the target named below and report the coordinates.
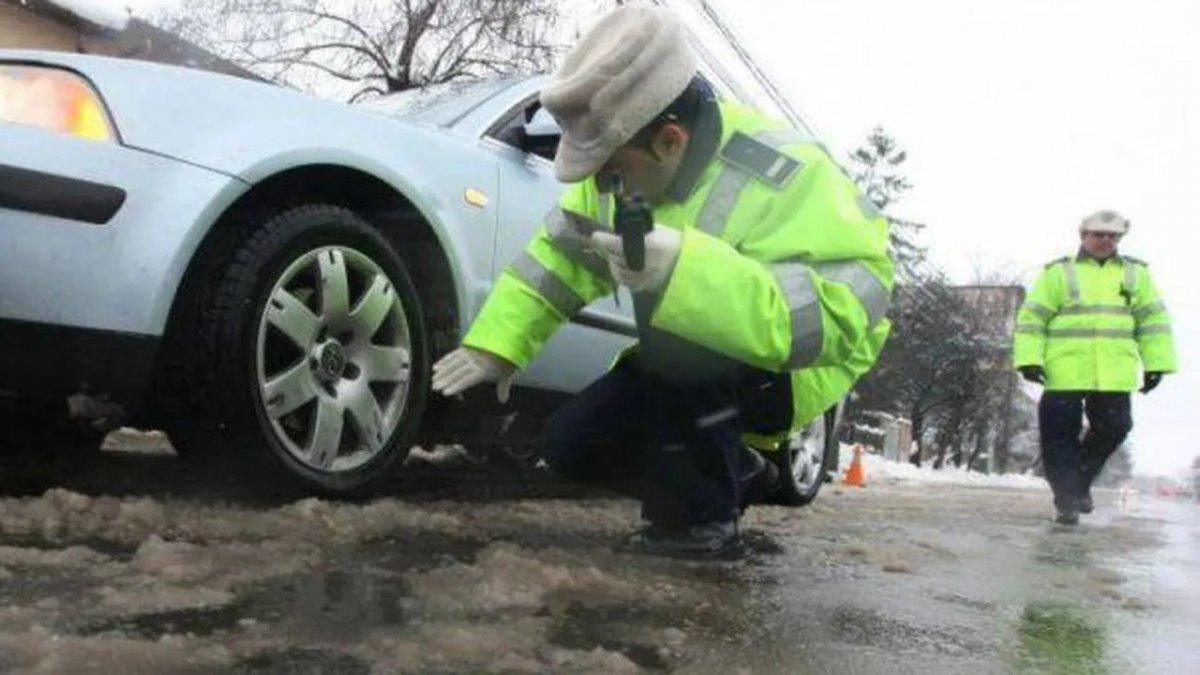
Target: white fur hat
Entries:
(628, 68)
(1105, 221)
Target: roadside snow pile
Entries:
(60, 515)
(106, 13)
(880, 469)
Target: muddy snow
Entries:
(130, 563)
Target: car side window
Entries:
(529, 128)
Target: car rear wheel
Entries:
(310, 354)
(804, 462)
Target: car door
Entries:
(583, 349)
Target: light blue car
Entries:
(269, 276)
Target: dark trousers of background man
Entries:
(1072, 463)
(669, 434)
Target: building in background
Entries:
(994, 315)
(55, 25)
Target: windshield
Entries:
(440, 104)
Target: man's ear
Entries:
(671, 140)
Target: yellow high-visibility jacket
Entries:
(785, 270)
(1087, 323)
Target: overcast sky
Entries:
(1020, 117)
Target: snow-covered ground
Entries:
(877, 468)
(132, 564)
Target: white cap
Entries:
(1105, 221)
(625, 72)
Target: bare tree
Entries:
(877, 168)
(927, 370)
(992, 302)
(947, 364)
(360, 48)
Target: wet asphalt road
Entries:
(130, 563)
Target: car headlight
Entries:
(55, 99)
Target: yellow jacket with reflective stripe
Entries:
(791, 277)
(1087, 323)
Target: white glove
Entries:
(464, 368)
(662, 251)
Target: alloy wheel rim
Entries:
(333, 359)
(808, 456)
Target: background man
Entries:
(1080, 333)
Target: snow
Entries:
(107, 13)
(879, 468)
(867, 428)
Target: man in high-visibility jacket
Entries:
(763, 296)
(1080, 333)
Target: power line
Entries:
(763, 79)
(713, 18)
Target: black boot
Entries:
(717, 540)
(1067, 518)
(1085, 503)
(758, 478)
(1068, 510)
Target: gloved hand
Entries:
(465, 367)
(1033, 374)
(662, 251)
(1150, 380)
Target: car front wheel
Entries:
(310, 353)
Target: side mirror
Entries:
(541, 135)
(542, 126)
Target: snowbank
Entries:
(880, 469)
(107, 13)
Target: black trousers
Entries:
(1072, 463)
(674, 443)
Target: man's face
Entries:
(1100, 245)
(641, 170)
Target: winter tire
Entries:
(309, 354)
(804, 462)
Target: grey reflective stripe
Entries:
(605, 207)
(1153, 330)
(547, 285)
(1130, 276)
(1120, 310)
(1089, 333)
(805, 311)
(570, 233)
(1041, 310)
(580, 225)
(724, 195)
(723, 415)
(1145, 311)
(721, 200)
(778, 138)
(869, 290)
(868, 208)
(1031, 329)
(1072, 280)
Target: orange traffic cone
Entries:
(855, 475)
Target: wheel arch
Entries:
(416, 237)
